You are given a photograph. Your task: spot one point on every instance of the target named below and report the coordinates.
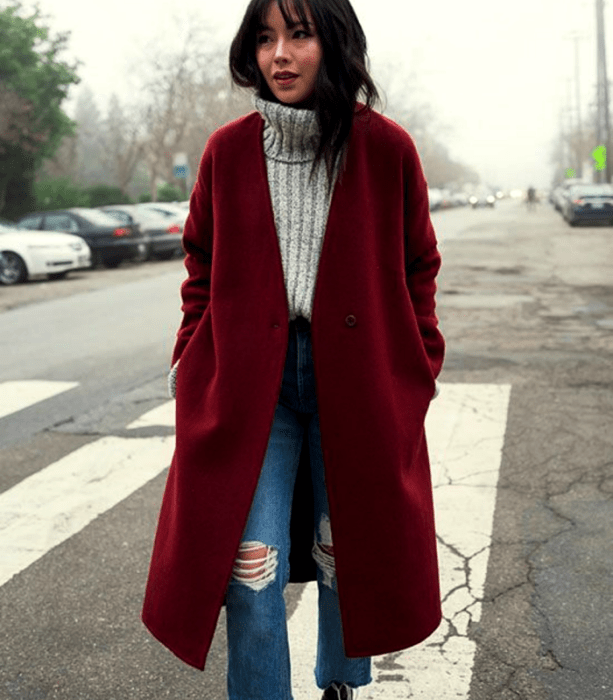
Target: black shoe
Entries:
(339, 691)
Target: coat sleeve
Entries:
(198, 247)
(422, 259)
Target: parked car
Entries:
(447, 199)
(559, 193)
(172, 210)
(459, 199)
(435, 198)
(589, 203)
(28, 254)
(162, 236)
(110, 244)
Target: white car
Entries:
(25, 254)
(171, 210)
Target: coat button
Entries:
(351, 320)
(275, 325)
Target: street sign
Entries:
(181, 171)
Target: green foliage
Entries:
(145, 197)
(19, 197)
(101, 195)
(169, 193)
(34, 83)
(60, 193)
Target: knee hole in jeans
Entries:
(255, 565)
(323, 551)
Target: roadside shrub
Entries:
(59, 193)
(145, 197)
(101, 195)
(169, 193)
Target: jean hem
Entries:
(352, 684)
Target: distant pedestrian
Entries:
(531, 198)
(303, 370)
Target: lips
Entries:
(285, 78)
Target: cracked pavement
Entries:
(526, 300)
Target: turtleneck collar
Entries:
(291, 135)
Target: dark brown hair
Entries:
(342, 75)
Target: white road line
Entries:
(162, 415)
(465, 427)
(47, 508)
(15, 396)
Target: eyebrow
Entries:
(265, 28)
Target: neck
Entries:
(291, 134)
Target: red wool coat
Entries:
(376, 352)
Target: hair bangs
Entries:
(292, 8)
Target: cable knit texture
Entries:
(300, 205)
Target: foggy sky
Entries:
(496, 74)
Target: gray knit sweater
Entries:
(300, 204)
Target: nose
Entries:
(281, 51)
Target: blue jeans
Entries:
(258, 651)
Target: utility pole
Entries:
(579, 146)
(576, 38)
(572, 156)
(603, 128)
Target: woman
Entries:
(305, 364)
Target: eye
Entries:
(302, 34)
(262, 39)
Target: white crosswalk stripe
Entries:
(48, 507)
(162, 415)
(15, 396)
(465, 428)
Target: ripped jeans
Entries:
(258, 651)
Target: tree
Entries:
(168, 95)
(91, 145)
(34, 81)
(572, 149)
(124, 148)
(186, 95)
(440, 169)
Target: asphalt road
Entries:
(525, 302)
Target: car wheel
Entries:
(57, 275)
(111, 263)
(13, 270)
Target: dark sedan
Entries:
(163, 237)
(110, 243)
(589, 203)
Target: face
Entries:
(288, 57)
